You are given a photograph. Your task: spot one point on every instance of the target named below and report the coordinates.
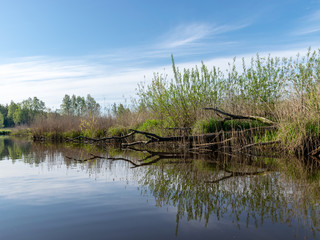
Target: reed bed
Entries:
(284, 91)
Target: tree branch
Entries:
(233, 116)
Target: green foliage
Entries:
(150, 125)
(241, 124)
(213, 125)
(181, 98)
(207, 126)
(5, 132)
(119, 110)
(268, 136)
(25, 112)
(88, 127)
(303, 75)
(154, 126)
(262, 83)
(313, 128)
(1, 120)
(79, 106)
(117, 131)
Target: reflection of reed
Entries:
(246, 196)
(246, 190)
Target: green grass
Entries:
(5, 131)
(118, 131)
(214, 125)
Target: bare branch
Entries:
(233, 116)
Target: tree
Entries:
(92, 106)
(18, 116)
(66, 106)
(11, 109)
(79, 106)
(37, 105)
(1, 120)
(119, 110)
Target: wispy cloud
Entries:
(194, 34)
(50, 79)
(185, 35)
(309, 24)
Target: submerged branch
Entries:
(259, 144)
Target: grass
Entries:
(5, 131)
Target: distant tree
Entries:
(79, 106)
(119, 110)
(66, 106)
(18, 117)
(37, 105)
(24, 112)
(92, 106)
(11, 109)
(4, 112)
(1, 120)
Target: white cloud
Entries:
(50, 79)
(185, 34)
(190, 35)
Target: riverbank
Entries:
(209, 109)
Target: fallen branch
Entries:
(100, 139)
(208, 145)
(316, 152)
(233, 116)
(135, 143)
(259, 144)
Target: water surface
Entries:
(52, 192)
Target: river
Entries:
(61, 191)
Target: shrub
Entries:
(118, 131)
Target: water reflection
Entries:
(208, 189)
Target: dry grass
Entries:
(55, 125)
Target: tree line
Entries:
(25, 112)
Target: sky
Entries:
(49, 48)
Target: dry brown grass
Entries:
(58, 125)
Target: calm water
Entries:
(46, 193)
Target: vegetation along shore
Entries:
(268, 103)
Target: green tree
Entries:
(66, 106)
(119, 110)
(92, 106)
(18, 115)
(11, 110)
(79, 106)
(1, 120)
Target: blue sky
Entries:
(105, 48)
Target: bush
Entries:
(206, 126)
(117, 131)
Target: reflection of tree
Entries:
(201, 188)
(191, 188)
(13, 148)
